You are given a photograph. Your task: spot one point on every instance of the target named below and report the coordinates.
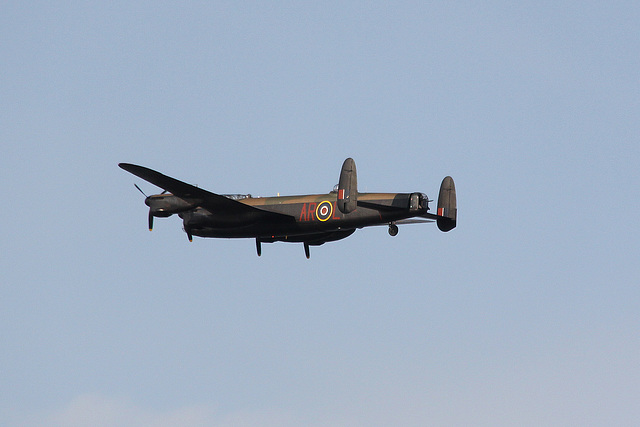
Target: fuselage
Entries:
(310, 214)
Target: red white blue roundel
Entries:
(324, 210)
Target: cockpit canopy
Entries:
(237, 196)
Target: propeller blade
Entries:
(150, 220)
(136, 185)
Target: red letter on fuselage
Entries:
(312, 211)
(333, 215)
(303, 213)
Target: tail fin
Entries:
(348, 187)
(447, 205)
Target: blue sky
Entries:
(526, 314)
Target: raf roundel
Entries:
(324, 210)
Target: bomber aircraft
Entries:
(309, 219)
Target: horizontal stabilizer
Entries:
(413, 221)
(407, 221)
(379, 207)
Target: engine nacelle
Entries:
(165, 205)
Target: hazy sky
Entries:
(526, 314)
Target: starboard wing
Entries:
(208, 200)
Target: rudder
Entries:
(447, 205)
(348, 187)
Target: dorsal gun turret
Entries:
(348, 187)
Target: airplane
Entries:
(312, 219)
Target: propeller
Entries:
(143, 193)
(140, 190)
(146, 202)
